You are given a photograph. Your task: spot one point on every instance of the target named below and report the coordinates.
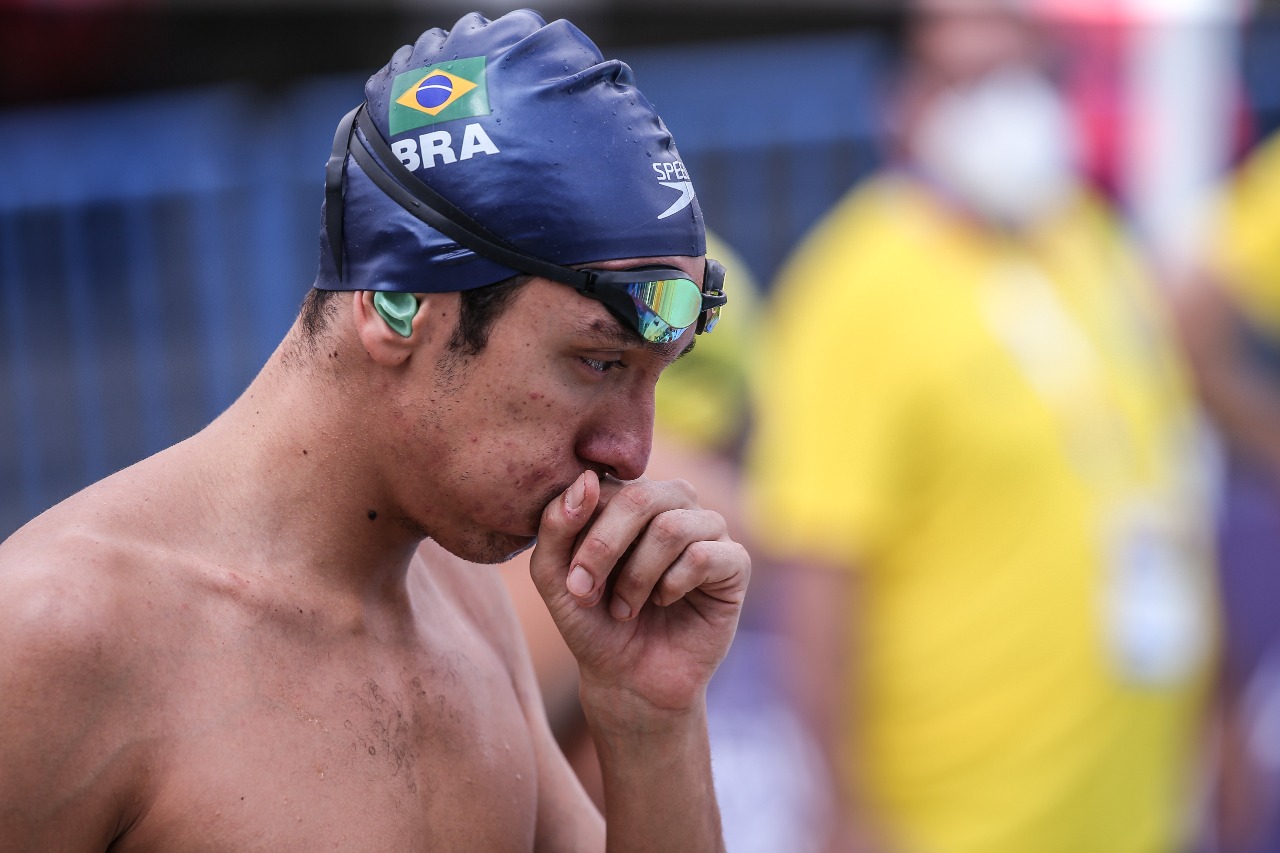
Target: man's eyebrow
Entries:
(610, 333)
(693, 342)
(613, 334)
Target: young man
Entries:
(240, 644)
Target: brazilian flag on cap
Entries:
(443, 92)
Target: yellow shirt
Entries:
(994, 434)
(1249, 247)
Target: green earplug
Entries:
(398, 310)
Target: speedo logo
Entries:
(438, 147)
(673, 175)
(442, 92)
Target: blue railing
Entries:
(154, 251)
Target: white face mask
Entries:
(1005, 146)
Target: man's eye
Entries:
(601, 366)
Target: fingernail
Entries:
(579, 581)
(576, 494)
(619, 609)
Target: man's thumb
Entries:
(562, 520)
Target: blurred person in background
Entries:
(976, 467)
(1230, 320)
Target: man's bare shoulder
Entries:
(71, 678)
(66, 584)
(98, 556)
(76, 585)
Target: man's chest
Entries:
(342, 751)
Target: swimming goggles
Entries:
(659, 302)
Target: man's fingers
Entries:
(641, 531)
(720, 569)
(667, 537)
(618, 528)
(563, 520)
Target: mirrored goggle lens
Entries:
(665, 308)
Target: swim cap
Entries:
(527, 129)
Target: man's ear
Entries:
(389, 324)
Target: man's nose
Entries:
(621, 439)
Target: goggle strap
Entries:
(713, 295)
(428, 206)
(333, 169)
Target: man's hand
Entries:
(646, 588)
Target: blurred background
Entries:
(160, 182)
(162, 175)
(162, 160)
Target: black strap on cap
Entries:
(333, 169)
(384, 168)
(389, 174)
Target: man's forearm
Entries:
(659, 794)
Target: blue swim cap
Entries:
(527, 129)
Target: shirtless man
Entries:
(243, 642)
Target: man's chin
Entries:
(499, 546)
(502, 547)
(528, 543)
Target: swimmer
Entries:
(275, 635)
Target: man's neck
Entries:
(287, 481)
